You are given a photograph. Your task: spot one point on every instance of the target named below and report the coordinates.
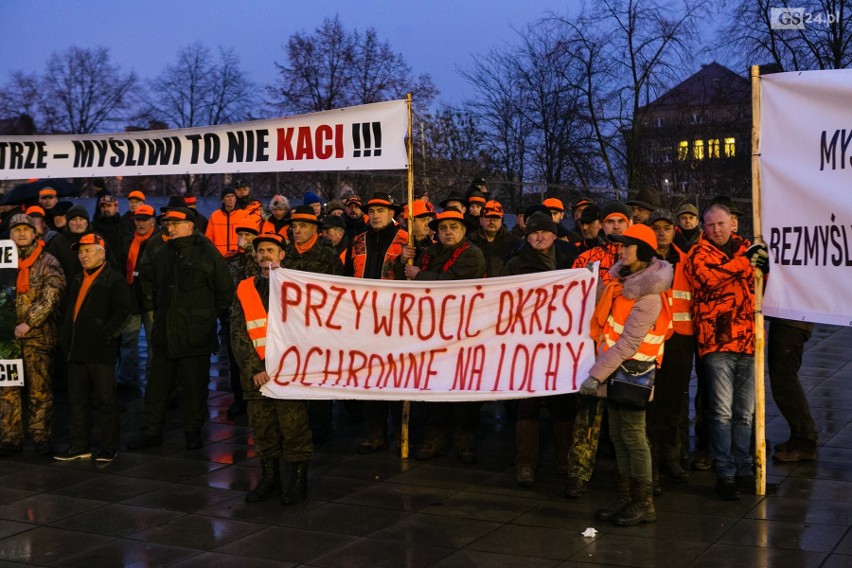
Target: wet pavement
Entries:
(170, 507)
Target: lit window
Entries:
(698, 149)
(713, 148)
(683, 150)
(730, 147)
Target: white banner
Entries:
(805, 175)
(367, 137)
(485, 339)
(11, 373)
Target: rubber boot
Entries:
(297, 491)
(269, 484)
(641, 507)
(609, 513)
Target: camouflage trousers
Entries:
(280, 429)
(587, 433)
(39, 388)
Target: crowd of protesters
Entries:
(675, 294)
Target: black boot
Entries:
(269, 484)
(297, 491)
(609, 513)
(641, 507)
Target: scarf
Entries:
(88, 280)
(302, 249)
(22, 285)
(133, 253)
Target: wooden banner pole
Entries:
(406, 405)
(759, 332)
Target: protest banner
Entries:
(806, 211)
(494, 338)
(366, 137)
(11, 364)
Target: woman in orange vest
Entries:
(631, 322)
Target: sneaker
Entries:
(72, 454)
(792, 455)
(106, 456)
(727, 489)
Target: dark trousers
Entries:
(666, 413)
(92, 386)
(192, 375)
(233, 368)
(786, 344)
(376, 416)
(562, 409)
(461, 419)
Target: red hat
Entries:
(175, 215)
(493, 209)
(189, 199)
(34, 211)
(143, 212)
(89, 239)
(554, 204)
(136, 194)
(49, 191)
(476, 199)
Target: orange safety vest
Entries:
(359, 253)
(255, 315)
(681, 298)
(651, 348)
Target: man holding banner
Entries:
(373, 255)
(38, 291)
(280, 426)
(721, 269)
(452, 258)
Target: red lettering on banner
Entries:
(324, 142)
(524, 371)
(551, 308)
(519, 310)
(276, 376)
(385, 322)
(528, 379)
(567, 307)
(406, 303)
(358, 306)
(446, 299)
(328, 371)
(552, 372)
(340, 293)
(575, 357)
(587, 288)
(535, 317)
(352, 379)
(469, 366)
(505, 313)
(471, 311)
(285, 301)
(420, 312)
(430, 372)
(499, 368)
(307, 366)
(311, 290)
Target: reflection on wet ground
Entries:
(167, 506)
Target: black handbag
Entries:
(632, 384)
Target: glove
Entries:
(759, 257)
(590, 387)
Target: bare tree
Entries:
(822, 41)
(201, 89)
(80, 92)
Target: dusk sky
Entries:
(434, 36)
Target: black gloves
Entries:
(758, 255)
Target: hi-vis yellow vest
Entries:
(255, 315)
